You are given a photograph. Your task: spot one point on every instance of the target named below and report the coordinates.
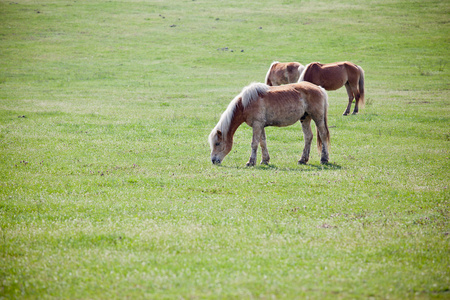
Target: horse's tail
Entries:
(268, 81)
(252, 92)
(361, 86)
(325, 121)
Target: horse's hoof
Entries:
(345, 114)
(302, 162)
(263, 162)
(324, 162)
(354, 113)
(250, 164)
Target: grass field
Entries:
(106, 186)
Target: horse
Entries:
(260, 105)
(283, 73)
(333, 76)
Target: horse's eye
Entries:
(217, 144)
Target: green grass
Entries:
(106, 186)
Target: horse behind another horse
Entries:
(335, 75)
(283, 73)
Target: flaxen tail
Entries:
(361, 86)
(325, 120)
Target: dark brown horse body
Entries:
(335, 75)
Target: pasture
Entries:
(107, 190)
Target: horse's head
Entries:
(219, 146)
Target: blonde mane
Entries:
(248, 94)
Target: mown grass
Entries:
(107, 190)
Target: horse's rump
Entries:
(292, 67)
(283, 73)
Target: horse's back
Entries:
(301, 92)
(307, 87)
(329, 76)
(346, 67)
(289, 94)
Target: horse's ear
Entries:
(219, 134)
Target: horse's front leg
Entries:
(308, 136)
(265, 152)
(257, 132)
(350, 99)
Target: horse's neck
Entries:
(236, 121)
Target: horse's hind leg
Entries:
(350, 99)
(357, 96)
(265, 152)
(308, 136)
(323, 134)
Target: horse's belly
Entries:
(283, 118)
(332, 85)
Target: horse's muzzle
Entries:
(215, 160)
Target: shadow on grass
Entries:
(299, 168)
(318, 167)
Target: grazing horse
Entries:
(283, 73)
(333, 76)
(260, 105)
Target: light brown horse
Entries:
(283, 73)
(333, 76)
(260, 105)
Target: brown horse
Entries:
(260, 105)
(283, 73)
(333, 76)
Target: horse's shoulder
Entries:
(315, 67)
(311, 72)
